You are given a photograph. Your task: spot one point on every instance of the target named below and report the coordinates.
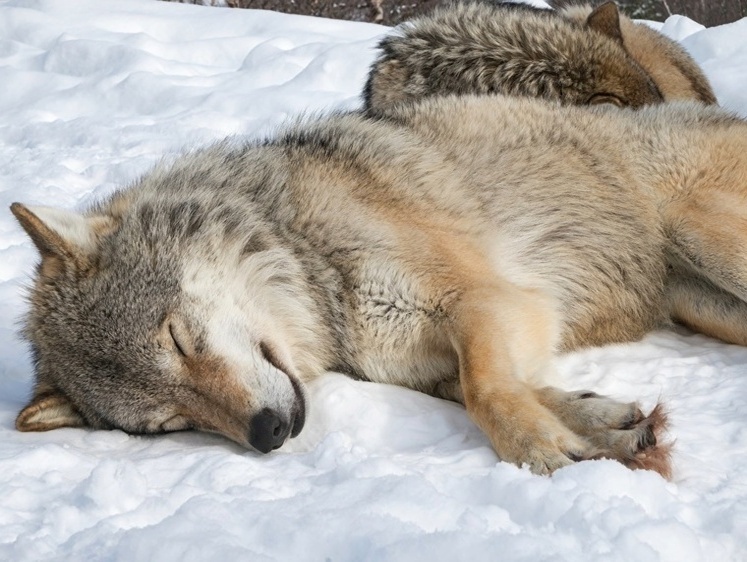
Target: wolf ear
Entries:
(605, 19)
(48, 409)
(61, 236)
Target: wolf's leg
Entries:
(708, 232)
(705, 308)
(504, 336)
(604, 421)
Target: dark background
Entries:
(392, 12)
(707, 12)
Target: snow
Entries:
(94, 92)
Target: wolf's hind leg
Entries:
(504, 336)
(708, 232)
(705, 308)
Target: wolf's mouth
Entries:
(298, 413)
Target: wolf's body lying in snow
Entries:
(453, 248)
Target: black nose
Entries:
(268, 431)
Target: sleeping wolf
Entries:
(575, 56)
(453, 248)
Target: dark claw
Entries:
(647, 439)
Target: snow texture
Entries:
(94, 93)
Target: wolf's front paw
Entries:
(616, 430)
(640, 445)
(544, 445)
(587, 412)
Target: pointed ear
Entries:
(61, 236)
(605, 19)
(48, 409)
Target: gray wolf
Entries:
(577, 55)
(453, 247)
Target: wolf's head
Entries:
(153, 317)
(676, 75)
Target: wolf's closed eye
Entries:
(271, 357)
(599, 99)
(176, 336)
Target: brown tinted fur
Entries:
(218, 403)
(676, 74)
(707, 308)
(523, 51)
(475, 48)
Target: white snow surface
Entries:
(94, 92)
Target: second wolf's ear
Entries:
(605, 19)
(61, 236)
(48, 409)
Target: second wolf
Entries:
(577, 55)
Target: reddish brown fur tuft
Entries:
(659, 456)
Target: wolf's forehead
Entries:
(120, 305)
(162, 221)
(166, 219)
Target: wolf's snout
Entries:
(268, 431)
